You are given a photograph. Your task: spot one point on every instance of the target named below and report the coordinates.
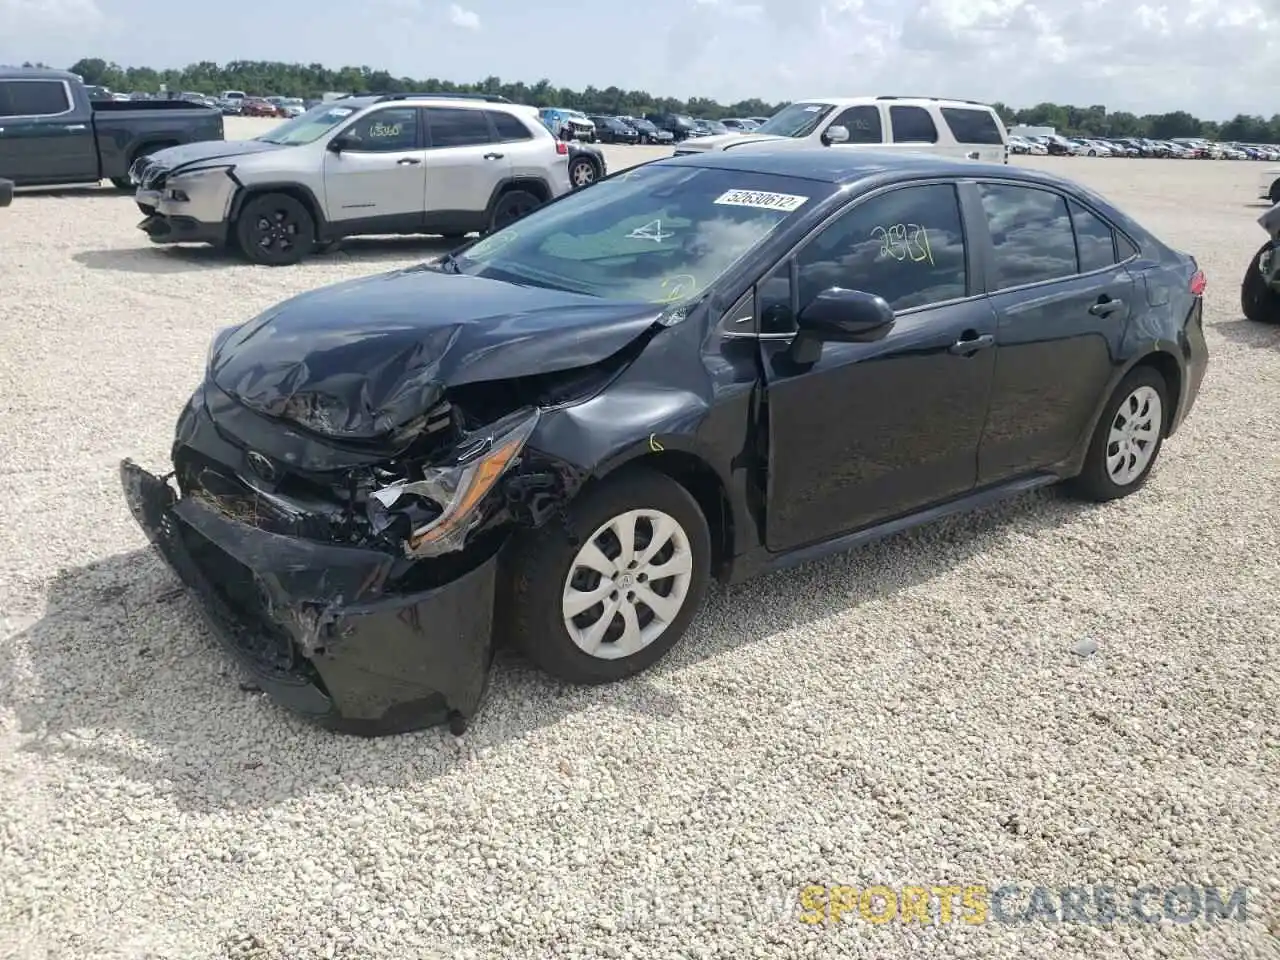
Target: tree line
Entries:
(270, 78)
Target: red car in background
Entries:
(257, 107)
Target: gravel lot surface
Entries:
(919, 712)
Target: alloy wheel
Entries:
(276, 231)
(1134, 435)
(628, 582)
(583, 173)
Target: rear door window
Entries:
(457, 127)
(33, 98)
(912, 125)
(972, 126)
(508, 127)
(1031, 232)
(1095, 240)
(863, 124)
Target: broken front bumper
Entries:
(173, 229)
(314, 623)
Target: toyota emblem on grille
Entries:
(262, 466)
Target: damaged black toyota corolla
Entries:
(706, 366)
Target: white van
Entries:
(964, 129)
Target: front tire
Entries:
(616, 601)
(1258, 301)
(275, 230)
(1127, 441)
(1274, 195)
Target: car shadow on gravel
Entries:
(185, 259)
(1249, 334)
(122, 676)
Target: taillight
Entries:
(1198, 283)
(562, 148)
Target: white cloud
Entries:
(1211, 58)
(465, 19)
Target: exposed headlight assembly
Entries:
(446, 505)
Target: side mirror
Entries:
(338, 144)
(836, 134)
(848, 316)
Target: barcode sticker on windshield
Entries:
(786, 202)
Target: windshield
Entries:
(307, 127)
(797, 120)
(657, 233)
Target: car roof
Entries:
(838, 166)
(846, 101)
(37, 73)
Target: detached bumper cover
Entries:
(313, 623)
(165, 229)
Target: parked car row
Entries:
(1183, 148)
(659, 128)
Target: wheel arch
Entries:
(683, 464)
(1167, 365)
(535, 185)
(298, 191)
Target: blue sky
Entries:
(1210, 57)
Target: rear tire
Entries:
(1258, 302)
(582, 172)
(1127, 440)
(511, 206)
(549, 572)
(1274, 195)
(275, 230)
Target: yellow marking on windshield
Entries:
(677, 287)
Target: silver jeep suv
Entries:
(399, 164)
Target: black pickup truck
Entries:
(52, 133)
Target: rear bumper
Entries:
(313, 624)
(160, 228)
(1196, 362)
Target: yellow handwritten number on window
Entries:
(904, 241)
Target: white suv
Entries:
(953, 128)
(399, 164)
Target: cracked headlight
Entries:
(445, 506)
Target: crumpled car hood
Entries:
(722, 141)
(361, 359)
(189, 154)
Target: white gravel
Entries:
(1047, 693)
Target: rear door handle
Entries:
(408, 162)
(493, 156)
(1104, 308)
(76, 126)
(970, 343)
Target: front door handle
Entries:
(1104, 308)
(970, 343)
(408, 162)
(493, 156)
(76, 126)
